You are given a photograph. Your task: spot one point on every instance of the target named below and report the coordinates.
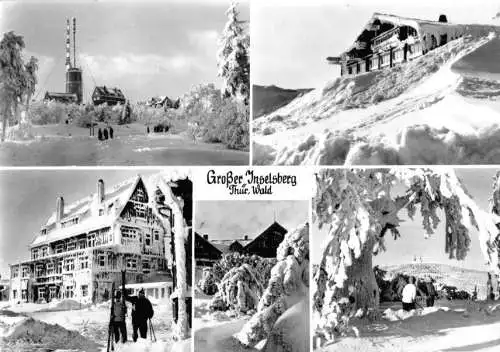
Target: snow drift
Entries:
(20, 330)
(420, 112)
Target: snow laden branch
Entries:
(288, 285)
(359, 210)
(180, 230)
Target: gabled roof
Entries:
(116, 196)
(274, 227)
(207, 244)
(109, 92)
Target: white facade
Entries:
(82, 249)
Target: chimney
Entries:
(246, 237)
(100, 191)
(205, 237)
(59, 209)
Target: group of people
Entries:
(410, 290)
(142, 311)
(102, 134)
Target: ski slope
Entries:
(441, 108)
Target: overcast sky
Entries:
(28, 198)
(147, 48)
(291, 39)
(412, 243)
(235, 219)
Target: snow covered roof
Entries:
(422, 26)
(116, 196)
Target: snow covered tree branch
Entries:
(358, 208)
(288, 285)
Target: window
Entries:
(84, 262)
(41, 293)
(39, 270)
(71, 246)
(50, 268)
(101, 260)
(69, 264)
(14, 294)
(148, 239)
(131, 263)
(15, 271)
(24, 295)
(69, 292)
(101, 212)
(59, 248)
(163, 292)
(43, 231)
(52, 292)
(157, 235)
(45, 251)
(85, 290)
(349, 70)
(82, 243)
(129, 232)
(26, 271)
(145, 266)
(35, 254)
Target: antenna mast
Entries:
(74, 42)
(68, 58)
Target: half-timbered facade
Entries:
(83, 247)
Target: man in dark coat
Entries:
(118, 321)
(142, 311)
(110, 132)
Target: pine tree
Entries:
(233, 57)
(359, 211)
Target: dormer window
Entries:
(43, 232)
(101, 212)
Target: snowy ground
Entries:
(79, 329)
(449, 326)
(60, 145)
(214, 330)
(433, 110)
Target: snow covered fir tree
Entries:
(258, 286)
(359, 209)
(233, 57)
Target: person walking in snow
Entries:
(409, 295)
(431, 292)
(119, 314)
(142, 311)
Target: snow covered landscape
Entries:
(252, 294)
(68, 326)
(357, 305)
(439, 108)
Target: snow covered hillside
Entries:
(440, 108)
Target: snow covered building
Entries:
(387, 40)
(109, 96)
(266, 244)
(207, 252)
(82, 248)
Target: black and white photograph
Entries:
(96, 260)
(388, 82)
(406, 260)
(251, 276)
(156, 82)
